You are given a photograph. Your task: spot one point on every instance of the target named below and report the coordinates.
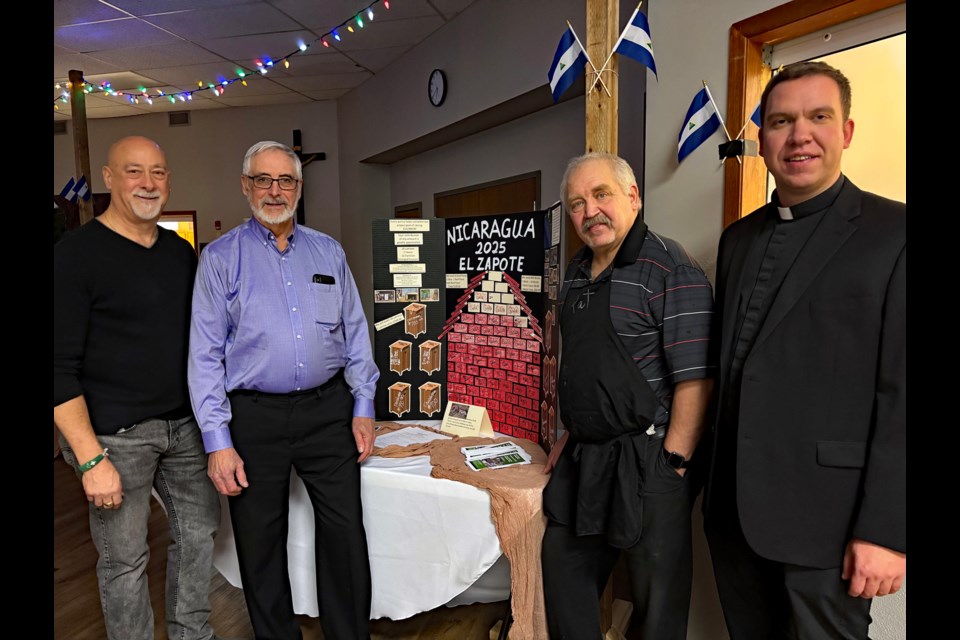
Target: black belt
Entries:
(332, 382)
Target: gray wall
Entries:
(205, 158)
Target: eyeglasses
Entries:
(265, 182)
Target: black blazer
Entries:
(822, 421)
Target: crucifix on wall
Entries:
(305, 159)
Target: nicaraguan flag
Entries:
(569, 60)
(82, 189)
(635, 41)
(701, 123)
(69, 192)
(755, 116)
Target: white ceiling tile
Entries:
(264, 45)
(394, 33)
(64, 60)
(450, 8)
(151, 7)
(308, 65)
(167, 55)
(330, 81)
(377, 59)
(115, 34)
(188, 76)
(257, 101)
(324, 16)
(326, 94)
(82, 11)
(221, 22)
(256, 86)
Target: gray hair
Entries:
(621, 171)
(268, 145)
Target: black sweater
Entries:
(121, 323)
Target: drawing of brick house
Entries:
(494, 347)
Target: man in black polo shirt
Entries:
(634, 383)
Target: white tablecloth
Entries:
(429, 541)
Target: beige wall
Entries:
(877, 158)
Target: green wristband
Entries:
(86, 466)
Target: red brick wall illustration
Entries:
(494, 354)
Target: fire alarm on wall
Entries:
(216, 225)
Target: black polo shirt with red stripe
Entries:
(661, 305)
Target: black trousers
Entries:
(312, 434)
(767, 600)
(576, 568)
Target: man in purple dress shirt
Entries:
(281, 376)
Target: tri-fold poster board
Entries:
(464, 312)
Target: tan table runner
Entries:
(516, 504)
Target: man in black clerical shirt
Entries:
(806, 499)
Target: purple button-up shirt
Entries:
(274, 322)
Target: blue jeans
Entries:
(166, 455)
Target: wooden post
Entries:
(603, 28)
(81, 148)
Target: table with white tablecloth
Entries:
(431, 542)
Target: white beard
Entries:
(146, 209)
(266, 218)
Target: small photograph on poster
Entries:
(429, 295)
(385, 295)
(458, 410)
(480, 296)
(408, 294)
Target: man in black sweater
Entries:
(122, 287)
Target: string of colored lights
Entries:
(263, 67)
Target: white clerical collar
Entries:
(785, 213)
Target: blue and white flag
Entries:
(635, 41)
(69, 192)
(569, 60)
(74, 190)
(82, 189)
(755, 116)
(701, 122)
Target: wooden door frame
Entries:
(744, 186)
